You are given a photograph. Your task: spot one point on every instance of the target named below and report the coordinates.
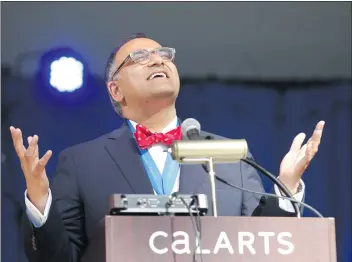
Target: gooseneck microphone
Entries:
(196, 149)
(191, 128)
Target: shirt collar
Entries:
(172, 125)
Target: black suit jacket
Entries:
(88, 173)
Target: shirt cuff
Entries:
(34, 215)
(285, 204)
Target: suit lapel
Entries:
(192, 176)
(123, 150)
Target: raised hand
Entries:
(298, 158)
(33, 168)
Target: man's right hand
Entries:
(33, 168)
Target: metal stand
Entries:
(211, 173)
(212, 184)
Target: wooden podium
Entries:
(264, 239)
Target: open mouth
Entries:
(158, 75)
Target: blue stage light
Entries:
(64, 77)
(63, 69)
(66, 74)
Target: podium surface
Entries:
(149, 238)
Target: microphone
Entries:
(191, 128)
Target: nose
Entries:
(155, 60)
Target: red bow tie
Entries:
(145, 138)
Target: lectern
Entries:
(265, 239)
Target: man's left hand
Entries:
(298, 158)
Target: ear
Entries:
(115, 91)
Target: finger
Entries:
(314, 141)
(17, 139)
(320, 125)
(297, 142)
(302, 153)
(36, 152)
(302, 159)
(39, 168)
(29, 139)
(318, 130)
(31, 148)
(309, 143)
(317, 134)
(311, 150)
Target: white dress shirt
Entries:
(159, 155)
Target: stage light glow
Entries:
(63, 78)
(66, 74)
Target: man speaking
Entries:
(143, 84)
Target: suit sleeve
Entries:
(255, 205)
(62, 237)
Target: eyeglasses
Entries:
(143, 56)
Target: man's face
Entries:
(136, 83)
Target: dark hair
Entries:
(110, 65)
(110, 68)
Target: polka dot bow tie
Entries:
(145, 138)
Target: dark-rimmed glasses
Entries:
(143, 56)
